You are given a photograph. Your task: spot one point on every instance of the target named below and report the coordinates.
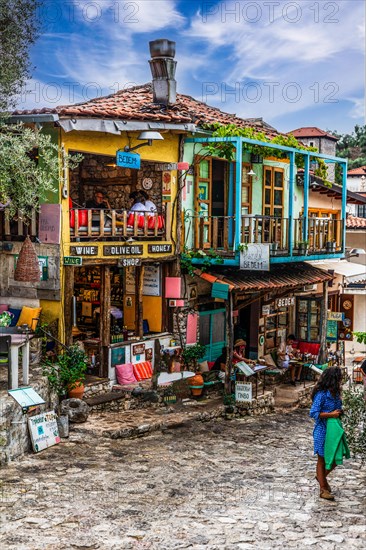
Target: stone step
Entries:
(104, 398)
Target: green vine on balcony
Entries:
(226, 150)
(208, 257)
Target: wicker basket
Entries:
(27, 268)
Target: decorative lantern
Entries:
(27, 268)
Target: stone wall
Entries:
(94, 174)
(44, 290)
(14, 435)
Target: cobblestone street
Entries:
(237, 484)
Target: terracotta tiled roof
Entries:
(355, 223)
(360, 171)
(279, 277)
(136, 103)
(311, 131)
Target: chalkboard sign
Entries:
(130, 280)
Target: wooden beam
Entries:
(105, 319)
(229, 343)
(69, 275)
(323, 353)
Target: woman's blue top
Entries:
(323, 402)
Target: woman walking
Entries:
(332, 446)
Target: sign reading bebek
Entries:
(285, 302)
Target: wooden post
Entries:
(105, 318)
(229, 342)
(157, 364)
(139, 309)
(323, 354)
(69, 276)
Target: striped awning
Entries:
(280, 277)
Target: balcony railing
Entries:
(17, 227)
(324, 235)
(90, 224)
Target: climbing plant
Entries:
(354, 420)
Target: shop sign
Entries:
(50, 223)
(255, 257)
(138, 349)
(43, 430)
(266, 310)
(73, 260)
(159, 248)
(129, 262)
(122, 250)
(84, 250)
(166, 167)
(285, 302)
(128, 160)
(335, 316)
(243, 393)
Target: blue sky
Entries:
(295, 63)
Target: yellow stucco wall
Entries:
(166, 151)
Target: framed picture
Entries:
(192, 291)
(203, 191)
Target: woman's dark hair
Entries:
(331, 380)
(291, 337)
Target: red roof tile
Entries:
(281, 276)
(136, 103)
(311, 131)
(360, 171)
(355, 223)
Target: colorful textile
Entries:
(125, 374)
(323, 402)
(336, 446)
(142, 371)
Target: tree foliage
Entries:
(29, 167)
(352, 146)
(19, 29)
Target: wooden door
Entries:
(203, 202)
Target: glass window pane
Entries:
(267, 178)
(205, 330)
(267, 211)
(204, 169)
(278, 197)
(245, 194)
(267, 196)
(278, 179)
(218, 327)
(277, 212)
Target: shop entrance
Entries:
(112, 306)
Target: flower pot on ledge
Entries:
(196, 385)
(77, 391)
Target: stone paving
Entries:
(241, 484)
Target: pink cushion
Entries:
(125, 374)
(143, 370)
(4, 307)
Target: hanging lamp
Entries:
(27, 268)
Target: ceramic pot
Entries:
(195, 383)
(77, 392)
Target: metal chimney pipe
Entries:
(163, 66)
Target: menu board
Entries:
(151, 286)
(43, 430)
(151, 281)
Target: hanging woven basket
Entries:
(27, 268)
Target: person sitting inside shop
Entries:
(138, 204)
(239, 350)
(150, 206)
(220, 364)
(99, 202)
(287, 353)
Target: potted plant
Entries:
(67, 374)
(190, 358)
(302, 247)
(5, 319)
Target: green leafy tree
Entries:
(29, 168)
(19, 29)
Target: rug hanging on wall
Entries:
(27, 268)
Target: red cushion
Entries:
(143, 370)
(309, 347)
(82, 219)
(4, 307)
(125, 374)
(210, 364)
